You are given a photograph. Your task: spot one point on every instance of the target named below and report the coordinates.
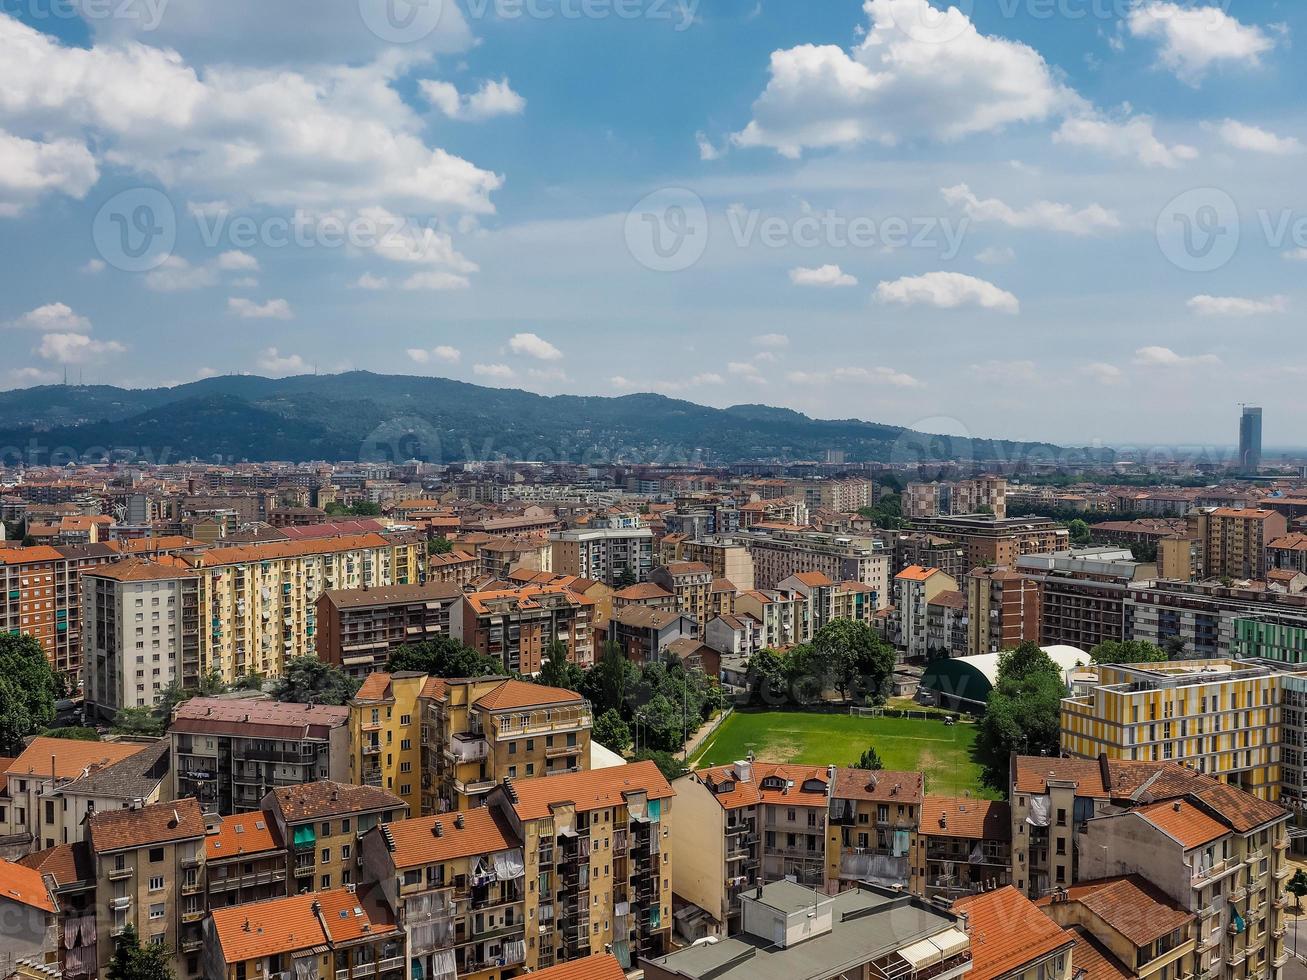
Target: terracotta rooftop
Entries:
(768, 782)
(1007, 931)
(392, 595)
(1242, 811)
(883, 786)
(601, 966)
(25, 886)
(288, 925)
(1131, 905)
(521, 694)
(258, 718)
(67, 864)
(1186, 823)
(484, 831)
(645, 617)
(287, 549)
(588, 790)
(688, 568)
(150, 826)
(642, 590)
(814, 580)
(944, 816)
(242, 834)
(326, 798)
(915, 573)
(140, 570)
(69, 758)
(1096, 959)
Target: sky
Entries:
(1081, 221)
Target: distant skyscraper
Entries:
(1250, 440)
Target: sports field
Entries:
(942, 752)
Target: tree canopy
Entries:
(612, 732)
(1023, 711)
(444, 657)
(869, 759)
(845, 655)
(1128, 652)
(133, 960)
(308, 680)
(28, 690)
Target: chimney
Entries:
(943, 821)
(437, 829)
(1176, 806)
(246, 926)
(458, 821)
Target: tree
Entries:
(1080, 532)
(444, 657)
(668, 764)
(1023, 711)
(855, 657)
(765, 678)
(134, 961)
(869, 760)
(612, 732)
(308, 680)
(1175, 648)
(607, 683)
(28, 690)
(626, 577)
(74, 734)
(1127, 652)
(558, 671)
(439, 546)
(142, 720)
(1297, 887)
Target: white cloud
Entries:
(272, 362)
(1045, 215)
(76, 348)
(765, 356)
(436, 281)
(490, 100)
(878, 375)
(918, 72)
(93, 267)
(1296, 255)
(1131, 137)
(205, 372)
(493, 371)
(1167, 358)
(52, 317)
(273, 309)
(1235, 306)
(1254, 139)
(245, 282)
(707, 152)
(948, 291)
(996, 255)
(555, 374)
(30, 169)
(1193, 39)
(742, 369)
(531, 345)
(621, 383)
(1105, 374)
(449, 355)
(772, 341)
(369, 281)
(707, 378)
(234, 261)
(1007, 372)
(27, 377)
(826, 275)
(176, 275)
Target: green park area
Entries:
(945, 753)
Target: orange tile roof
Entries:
(688, 568)
(139, 570)
(601, 966)
(327, 798)
(288, 925)
(435, 687)
(287, 549)
(1242, 811)
(484, 831)
(1096, 959)
(813, 579)
(159, 823)
(375, 687)
(944, 816)
(1184, 822)
(750, 793)
(241, 835)
(885, 786)
(25, 886)
(1007, 931)
(69, 758)
(1249, 514)
(67, 864)
(1132, 906)
(642, 590)
(1290, 542)
(23, 556)
(166, 542)
(588, 790)
(525, 596)
(521, 694)
(915, 573)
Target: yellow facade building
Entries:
(385, 735)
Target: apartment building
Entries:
(386, 735)
(1003, 610)
(1221, 717)
(455, 568)
(457, 882)
(518, 625)
(998, 541)
(789, 930)
(962, 847)
(478, 732)
(30, 912)
(984, 495)
(603, 554)
(1014, 940)
(946, 625)
(728, 558)
(337, 933)
(357, 629)
(259, 602)
(928, 551)
(825, 601)
(149, 873)
(644, 633)
(644, 594)
(142, 633)
(1082, 593)
(322, 823)
(841, 558)
(1288, 552)
(914, 589)
(230, 753)
(598, 845)
(837, 496)
(873, 817)
(1234, 540)
(244, 860)
(691, 584)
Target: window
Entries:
(156, 883)
(326, 882)
(344, 826)
(156, 855)
(326, 830)
(157, 911)
(326, 855)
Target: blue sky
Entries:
(1076, 220)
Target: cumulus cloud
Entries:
(272, 362)
(235, 261)
(772, 341)
(1254, 139)
(707, 152)
(1043, 215)
(947, 291)
(436, 281)
(532, 345)
(247, 309)
(369, 281)
(52, 317)
(1164, 357)
(31, 169)
(1130, 138)
(76, 348)
(175, 275)
(493, 98)
(826, 275)
(27, 377)
(93, 267)
(918, 73)
(1006, 372)
(443, 353)
(1193, 39)
(1103, 373)
(878, 375)
(996, 255)
(1235, 306)
(501, 371)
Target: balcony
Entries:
(1282, 844)
(475, 787)
(192, 945)
(1237, 895)
(193, 915)
(1282, 872)
(1220, 869)
(191, 887)
(121, 904)
(304, 870)
(1236, 958)
(372, 748)
(467, 747)
(121, 874)
(555, 751)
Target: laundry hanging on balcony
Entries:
(902, 840)
(564, 819)
(514, 952)
(509, 864)
(443, 965)
(1039, 811)
(637, 805)
(306, 968)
